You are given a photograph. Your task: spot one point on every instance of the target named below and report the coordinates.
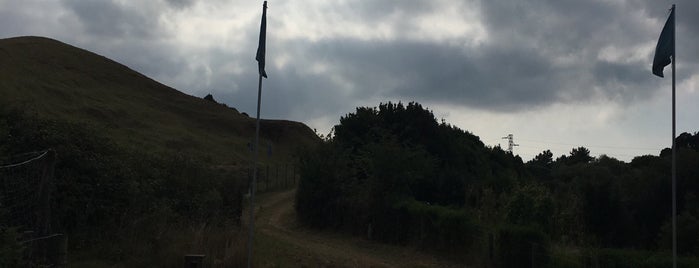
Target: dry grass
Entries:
(59, 81)
(222, 247)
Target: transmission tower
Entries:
(510, 142)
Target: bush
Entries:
(437, 226)
(521, 246)
(530, 204)
(11, 251)
(688, 227)
(319, 190)
(101, 188)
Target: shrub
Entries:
(101, 187)
(10, 249)
(437, 226)
(521, 246)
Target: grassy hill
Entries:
(60, 81)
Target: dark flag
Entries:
(261, 47)
(666, 46)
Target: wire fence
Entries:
(275, 177)
(25, 204)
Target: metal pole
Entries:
(674, 149)
(254, 174)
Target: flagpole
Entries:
(260, 57)
(674, 149)
(253, 188)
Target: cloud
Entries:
(496, 57)
(536, 53)
(118, 20)
(486, 78)
(180, 3)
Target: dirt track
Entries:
(276, 218)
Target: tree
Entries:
(579, 155)
(544, 158)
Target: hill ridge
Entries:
(64, 82)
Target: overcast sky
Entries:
(555, 73)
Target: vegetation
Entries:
(397, 175)
(144, 173)
(106, 193)
(61, 82)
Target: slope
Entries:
(62, 82)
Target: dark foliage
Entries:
(395, 174)
(398, 174)
(609, 257)
(101, 189)
(520, 246)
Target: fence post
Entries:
(44, 223)
(249, 180)
(532, 254)
(267, 176)
(286, 180)
(490, 249)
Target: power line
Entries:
(594, 146)
(493, 141)
(616, 155)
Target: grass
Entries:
(57, 81)
(60, 81)
(222, 247)
(607, 257)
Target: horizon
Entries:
(544, 72)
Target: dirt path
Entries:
(276, 219)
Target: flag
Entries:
(666, 46)
(261, 47)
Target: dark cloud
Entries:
(538, 53)
(687, 17)
(12, 22)
(491, 78)
(22, 18)
(180, 3)
(535, 53)
(114, 20)
(372, 12)
(290, 93)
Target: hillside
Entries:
(60, 81)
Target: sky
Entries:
(557, 74)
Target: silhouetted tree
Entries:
(394, 166)
(577, 155)
(544, 158)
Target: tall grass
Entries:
(222, 246)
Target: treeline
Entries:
(104, 192)
(397, 175)
(618, 204)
